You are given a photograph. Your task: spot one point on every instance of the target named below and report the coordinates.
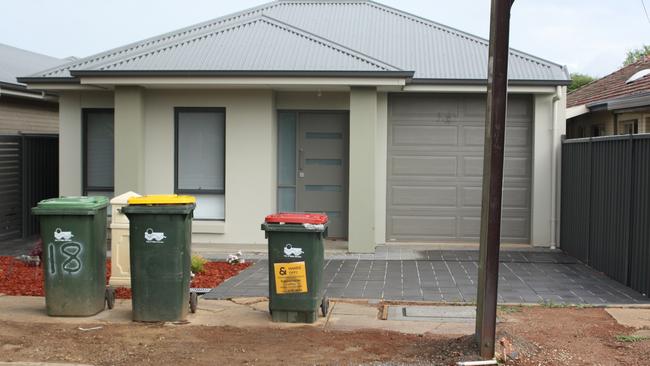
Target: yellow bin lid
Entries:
(162, 199)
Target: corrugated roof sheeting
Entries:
(408, 42)
(257, 44)
(432, 50)
(16, 62)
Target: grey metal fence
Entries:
(605, 218)
(28, 173)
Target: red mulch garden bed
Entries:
(17, 278)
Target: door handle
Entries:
(300, 159)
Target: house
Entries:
(617, 104)
(29, 121)
(370, 114)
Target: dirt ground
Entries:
(539, 336)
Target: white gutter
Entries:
(553, 215)
(30, 95)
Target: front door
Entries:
(322, 171)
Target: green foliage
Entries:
(630, 338)
(198, 263)
(636, 54)
(579, 80)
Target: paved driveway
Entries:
(451, 276)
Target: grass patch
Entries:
(510, 309)
(631, 338)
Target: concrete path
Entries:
(245, 312)
(525, 277)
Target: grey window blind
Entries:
(99, 150)
(201, 153)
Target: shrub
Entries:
(198, 263)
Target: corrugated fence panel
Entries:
(40, 176)
(576, 185)
(610, 207)
(640, 230)
(10, 188)
(606, 206)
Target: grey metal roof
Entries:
(15, 62)
(340, 35)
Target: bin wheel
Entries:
(110, 297)
(194, 302)
(325, 306)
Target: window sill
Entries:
(208, 227)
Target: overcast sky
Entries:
(589, 36)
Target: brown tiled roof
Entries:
(612, 85)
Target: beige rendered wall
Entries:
(381, 157)
(312, 100)
(250, 158)
(362, 201)
(70, 140)
(129, 139)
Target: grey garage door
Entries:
(435, 164)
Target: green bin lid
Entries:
(70, 205)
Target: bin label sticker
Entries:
(291, 252)
(153, 237)
(60, 235)
(66, 258)
(290, 278)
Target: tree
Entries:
(579, 80)
(636, 54)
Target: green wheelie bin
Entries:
(73, 230)
(296, 259)
(160, 237)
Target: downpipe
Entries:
(553, 215)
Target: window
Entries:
(98, 139)
(597, 130)
(628, 127)
(200, 159)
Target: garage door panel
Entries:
(444, 197)
(513, 167)
(409, 135)
(442, 227)
(513, 229)
(435, 168)
(420, 106)
(473, 136)
(424, 166)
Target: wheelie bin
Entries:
(296, 259)
(160, 237)
(73, 230)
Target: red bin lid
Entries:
(296, 218)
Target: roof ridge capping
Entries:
(152, 41)
(261, 17)
(321, 39)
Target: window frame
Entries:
(84, 151)
(633, 123)
(177, 111)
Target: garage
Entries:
(435, 164)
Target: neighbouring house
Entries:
(370, 114)
(617, 104)
(29, 123)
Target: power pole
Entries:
(495, 125)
